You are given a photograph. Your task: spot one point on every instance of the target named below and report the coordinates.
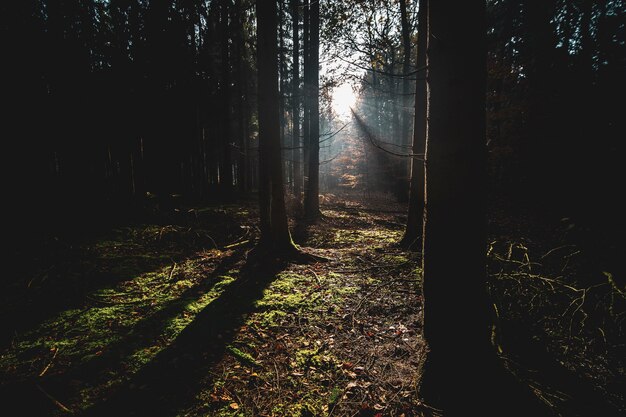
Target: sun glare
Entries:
(343, 99)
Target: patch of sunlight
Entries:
(176, 324)
(395, 259)
(77, 336)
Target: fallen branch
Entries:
(234, 245)
(54, 400)
(317, 278)
(43, 372)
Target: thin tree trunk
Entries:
(306, 123)
(295, 155)
(282, 88)
(240, 82)
(406, 100)
(226, 166)
(416, 197)
(311, 200)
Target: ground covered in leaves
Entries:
(171, 319)
(331, 338)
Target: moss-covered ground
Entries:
(172, 319)
(146, 306)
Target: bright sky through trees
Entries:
(343, 98)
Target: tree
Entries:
(226, 173)
(240, 113)
(295, 102)
(275, 234)
(416, 197)
(456, 314)
(406, 84)
(311, 198)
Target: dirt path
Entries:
(337, 338)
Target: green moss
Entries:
(79, 336)
(306, 358)
(141, 357)
(242, 356)
(395, 259)
(335, 395)
(304, 409)
(270, 318)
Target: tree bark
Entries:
(226, 165)
(239, 90)
(403, 191)
(456, 308)
(295, 101)
(306, 122)
(274, 227)
(416, 197)
(311, 199)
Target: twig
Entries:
(43, 372)
(556, 249)
(317, 278)
(213, 241)
(277, 377)
(54, 400)
(172, 271)
(234, 245)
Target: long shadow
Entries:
(170, 381)
(57, 274)
(29, 396)
(68, 288)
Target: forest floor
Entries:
(171, 319)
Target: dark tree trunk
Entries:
(239, 91)
(282, 87)
(295, 92)
(403, 185)
(456, 318)
(311, 198)
(306, 122)
(416, 197)
(226, 166)
(274, 227)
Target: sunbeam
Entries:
(343, 98)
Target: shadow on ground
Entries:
(170, 380)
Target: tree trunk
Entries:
(456, 319)
(406, 100)
(311, 199)
(239, 90)
(416, 197)
(282, 88)
(226, 166)
(306, 122)
(274, 227)
(295, 92)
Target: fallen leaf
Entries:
(234, 406)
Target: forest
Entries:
(306, 208)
